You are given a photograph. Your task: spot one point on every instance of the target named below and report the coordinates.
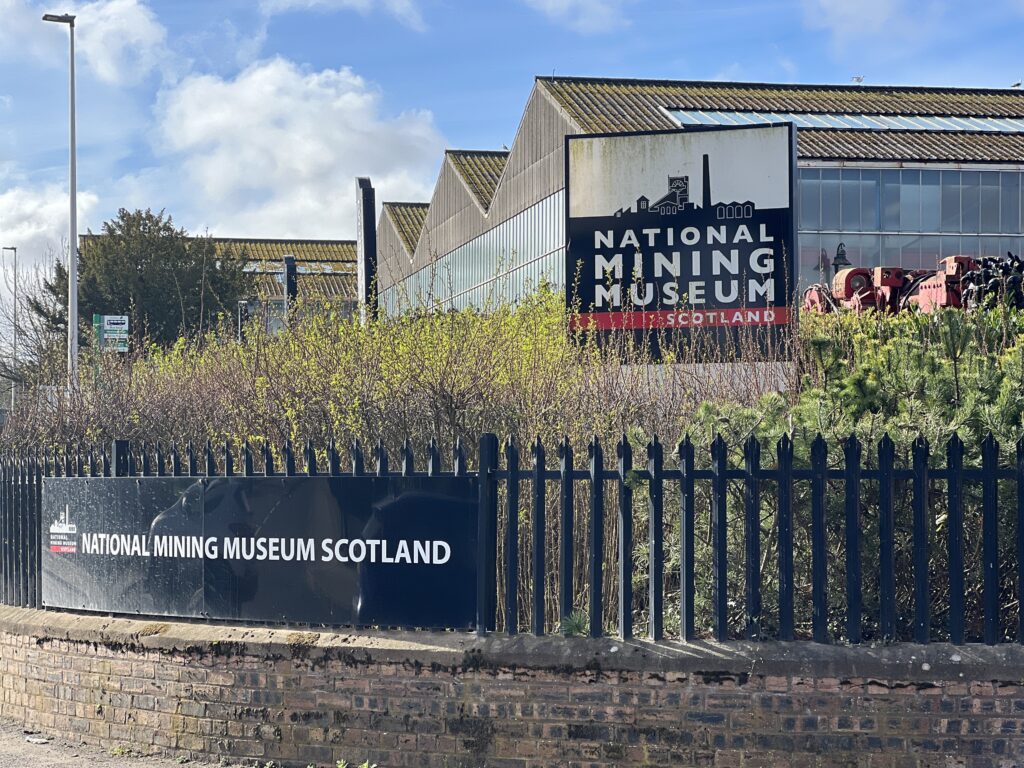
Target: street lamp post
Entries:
(14, 349)
(68, 19)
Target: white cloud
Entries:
(407, 11)
(35, 220)
(119, 41)
(585, 16)
(872, 24)
(274, 151)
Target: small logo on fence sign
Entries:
(64, 534)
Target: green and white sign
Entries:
(111, 332)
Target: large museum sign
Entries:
(679, 230)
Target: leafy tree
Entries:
(168, 283)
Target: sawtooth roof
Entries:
(602, 105)
(612, 105)
(318, 285)
(408, 219)
(480, 170)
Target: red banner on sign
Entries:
(681, 318)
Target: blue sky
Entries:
(252, 118)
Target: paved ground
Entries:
(17, 752)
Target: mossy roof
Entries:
(480, 170)
(408, 219)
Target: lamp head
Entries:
(61, 18)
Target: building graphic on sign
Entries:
(64, 534)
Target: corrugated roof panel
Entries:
(481, 171)
(408, 219)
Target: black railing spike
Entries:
(93, 468)
(686, 540)
(289, 458)
(595, 535)
(146, 467)
(105, 461)
(229, 458)
(358, 460)
(408, 459)
(268, 458)
(459, 457)
(311, 468)
(246, 458)
(79, 467)
(382, 458)
(433, 458)
(624, 453)
(161, 467)
(539, 535)
(333, 459)
(211, 463)
(68, 466)
(175, 460)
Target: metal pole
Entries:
(73, 236)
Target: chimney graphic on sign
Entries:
(706, 201)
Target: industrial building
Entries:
(899, 176)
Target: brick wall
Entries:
(405, 699)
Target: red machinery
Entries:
(960, 281)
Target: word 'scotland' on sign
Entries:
(681, 230)
(382, 551)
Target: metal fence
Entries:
(818, 499)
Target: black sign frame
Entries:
(416, 539)
(775, 337)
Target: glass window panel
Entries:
(869, 197)
(930, 201)
(950, 196)
(830, 198)
(910, 256)
(1009, 202)
(910, 200)
(849, 193)
(807, 263)
(890, 250)
(890, 200)
(949, 245)
(992, 246)
(989, 201)
(930, 251)
(969, 246)
(810, 198)
(969, 198)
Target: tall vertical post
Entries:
(366, 248)
(119, 454)
(486, 582)
(73, 221)
(73, 231)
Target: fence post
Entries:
(511, 539)
(886, 539)
(784, 452)
(852, 452)
(819, 574)
(119, 458)
(955, 523)
(922, 617)
(686, 576)
(1020, 540)
(656, 540)
(625, 455)
(990, 536)
(486, 583)
(596, 558)
(719, 539)
(565, 570)
(539, 530)
(752, 535)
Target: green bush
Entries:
(521, 373)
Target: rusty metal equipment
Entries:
(959, 282)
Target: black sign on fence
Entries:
(357, 550)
